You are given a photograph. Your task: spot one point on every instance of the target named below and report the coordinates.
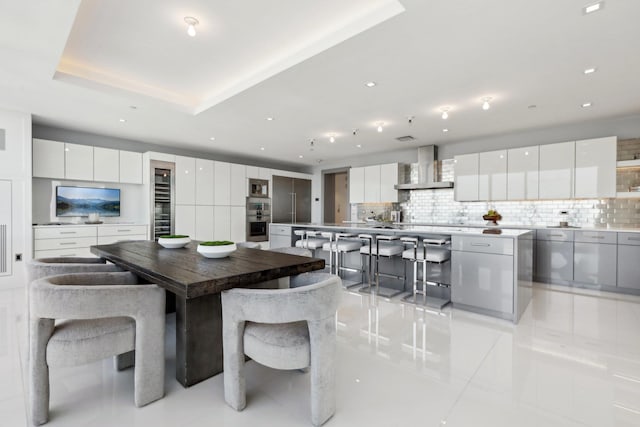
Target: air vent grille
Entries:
(406, 138)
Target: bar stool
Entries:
(386, 250)
(433, 251)
(310, 239)
(343, 243)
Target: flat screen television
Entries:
(82, 201)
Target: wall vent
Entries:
(406, 138)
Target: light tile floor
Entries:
(573, 360)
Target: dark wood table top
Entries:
(188, 274)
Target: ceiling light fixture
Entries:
(590, 70)
(587, 105)
(380, 127)
(359, 146)
(485, 103)
(594, 7)
(445, 130)
(300, 156)
(123, 120)
(332, 138)
(261, 148)
(445, 113)
(370, 84)
(213, 138)
(191, 25)
(269, 119)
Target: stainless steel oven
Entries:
(258, 219)
(258, 188)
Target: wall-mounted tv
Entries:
(82, 201)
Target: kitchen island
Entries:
(491, 269)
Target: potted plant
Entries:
(216, 248)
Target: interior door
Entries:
(281, 205)
(302, 200)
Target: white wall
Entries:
(15, 166)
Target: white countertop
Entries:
(80, 224)
(527, 227)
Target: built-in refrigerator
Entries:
(291, 201)
(162, 198)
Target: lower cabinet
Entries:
(629, 266)
(185, 220)
(222, 223)
(594, 264)
(238, 224)
(204, 223)
(279, 236)
(554, 261)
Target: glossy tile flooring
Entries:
(573, 360)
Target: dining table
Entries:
(196, 282)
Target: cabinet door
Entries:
(492, 176)
(253, 172)
(222, 223)
(221, 183)
(185, 220)
(388, 179)
(302, 200)
(482, 280)
(239, 188)
(556, 170)
(372, 184)
(204, 182)
(522, 173)
(185, 180)
(204, 223)
(356, 185)
(628, 267)
(595, 174)
(554, 261)
(130, 167)
(78, 162)
(48, 159)
(106, 165)
(277, 241)
(238, 224)
(594, 263)
(466, 169)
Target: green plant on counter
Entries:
(174, 236)
(216, 243)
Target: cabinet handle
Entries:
(634, 238)
(67, 232)
(68, 243)
(123, 231)
(556, 235)
(69, 255)
(596, 237)
(481, 244)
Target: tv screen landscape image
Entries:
(82, 201)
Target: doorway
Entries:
(336, 197)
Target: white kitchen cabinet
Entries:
(106, 165)
(185, 180)
(130, 167)
(78, 162)
(556, 167)
(388, 179)
(595, 168)
(238, 224)
(239, 187)
(48, 159)
(492, 175)
(522, 173)
(204, 182)
(372, 184)
(204, 223)
(222, 183)
(356, 185)
(466, 168)
(185, 220)
(264, 173)
(253, 172)
(222, 222)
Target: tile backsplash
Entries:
(439, 206)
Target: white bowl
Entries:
(216, 251)
(173, 243)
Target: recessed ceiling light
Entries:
(270, 119)
(445, 130)
(261, 148)
(380, 127)
(122, 120)
(594, 7)
(590, 70)
(485, 103)
(332, 138)
(213, 138)
(301, 156)
(370, 84)
(191, 25)
(587, 105)
(359, 145)
(445, 113)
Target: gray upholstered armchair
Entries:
(283, 329)
(83, 317)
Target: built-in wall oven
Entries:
(258, 218)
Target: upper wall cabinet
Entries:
(522, 173)
(48, 159)
(239, 187)
(373, 184)
(185, 180)
(78, 162)
(204, 182)
(492, 177)
(222, 181)
(388, 181)
(557, 162)
(130, 167)
(106, 165)
(356, 185)
(466, 169)
(595, 173)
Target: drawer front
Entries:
(122, 230)
(555, 234)
(596, 237)
(629, 239)
(487, 245)
(280, 230)
(107, 240)
(49, 244)
(64, 232)
(77, 252)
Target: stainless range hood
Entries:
(427, 171)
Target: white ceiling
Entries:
(83, 64)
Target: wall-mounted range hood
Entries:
(427, 171)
